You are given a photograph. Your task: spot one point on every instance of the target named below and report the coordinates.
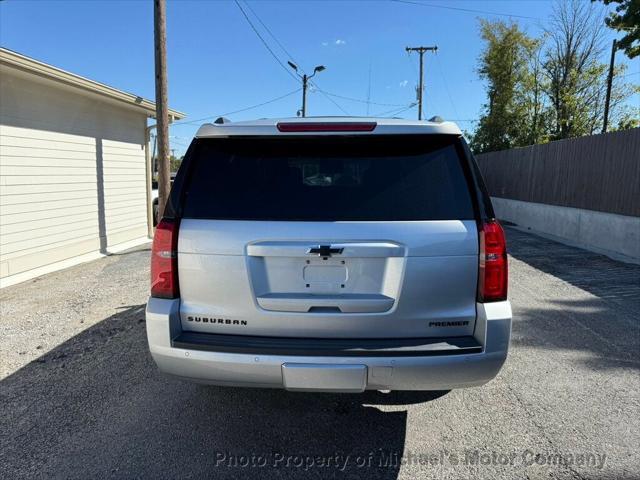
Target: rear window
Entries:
(327, 178)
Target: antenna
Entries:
(369, 89)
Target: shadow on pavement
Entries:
(597, 274)
(604, 324)
(590, 325)
(96, 407)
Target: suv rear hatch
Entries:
(340, 236)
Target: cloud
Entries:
(339, 42)
(404, 83)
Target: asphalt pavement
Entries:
(81, 398)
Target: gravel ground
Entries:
(81, 398)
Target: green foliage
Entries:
(627, 122)
(175, 163)
(577, 77)
(504, 66)
(534, 103)
(553, 87)
(626, 19)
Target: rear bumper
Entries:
(439, 371)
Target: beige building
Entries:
(74, 176)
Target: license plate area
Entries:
(318, 276)
(324, 276)
(324, 273)
(306, 377)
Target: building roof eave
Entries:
(24, 63)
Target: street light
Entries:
(305, 78)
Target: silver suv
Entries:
(329, 254)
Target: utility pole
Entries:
(421, 51)
(304, 94)
(609, 82)
(305, 79)
(162, 110)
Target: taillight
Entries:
(293, 127)
(493, 273)
(164, 260)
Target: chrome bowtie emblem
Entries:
(325, 251)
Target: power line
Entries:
(178, 143)
(446, 85)
(413, 66)
(468, 10)
(395, 111)
(329, 98)
(284, 67)
(402, 110)
(359, 100)
(198, 120)
(271, 34)
(284, 49)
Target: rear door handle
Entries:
(300, 302)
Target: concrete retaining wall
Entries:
(608, 233)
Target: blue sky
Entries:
(217, 64)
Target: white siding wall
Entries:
(72, 173)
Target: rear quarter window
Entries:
(327, 178)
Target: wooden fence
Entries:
(598, 172)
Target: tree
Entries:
(576, 75)
(622, 114)
(175, 163)
(626, 19)
(504, 65)
(551, 87)
(573, 69)
(531, 95)
(627, 121)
